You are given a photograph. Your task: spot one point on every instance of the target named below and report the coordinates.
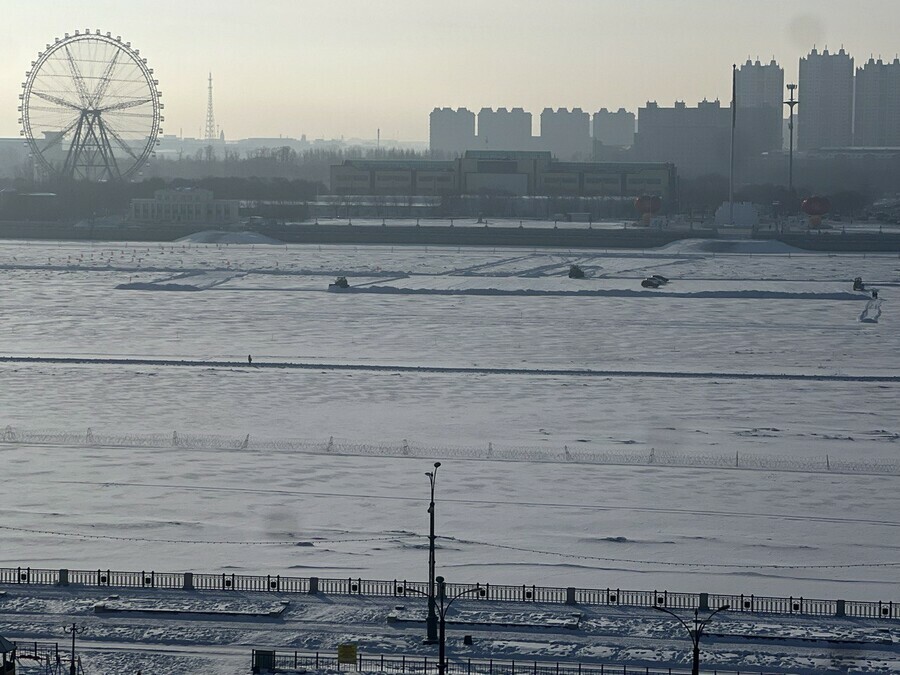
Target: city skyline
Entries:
(289, 68)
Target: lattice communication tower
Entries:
(211, 135)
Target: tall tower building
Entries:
(760, 85)
(877, 108)
(504, 129)
(826, 100)
(615, 129)
(451, 132)
(567, 135)
(697, 140)
(760, 95)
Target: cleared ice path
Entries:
(554, 372)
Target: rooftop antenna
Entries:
(211, 135)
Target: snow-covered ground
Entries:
(176, 632)
(714, 365)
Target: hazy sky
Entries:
(328, 68)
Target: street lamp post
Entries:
(431, 622)
(696, 632)
(74, 630)
(442, 605)
(442, 598)
(791, 103)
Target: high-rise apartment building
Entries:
(451, 132)
(825, 94)
(760, 95)
(614, 129)
(877, 106)
(697, 140)
(504, 129)
(566, 134)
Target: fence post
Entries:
(63, 577)
(314, 588)
(570, 595)
(188, 583)
(841, 608)
(704, 602)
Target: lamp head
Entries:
(437, 464)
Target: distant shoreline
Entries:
(460, 235)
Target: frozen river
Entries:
(500, 319)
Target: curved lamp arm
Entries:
(683, 623)
(705, 621)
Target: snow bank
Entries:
(757, 246)
(220, 237)
(745, 294)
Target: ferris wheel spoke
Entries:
(48, 109)
(128, 87)
(118, 139)
(56, 99)
(126, 104)
(103, 84)
(77, 77)
(135, 115)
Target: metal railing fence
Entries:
(270, 661)
(739, 603)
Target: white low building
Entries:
(185, 205)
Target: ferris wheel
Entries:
(90, 108)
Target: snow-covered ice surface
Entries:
(482, 312)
